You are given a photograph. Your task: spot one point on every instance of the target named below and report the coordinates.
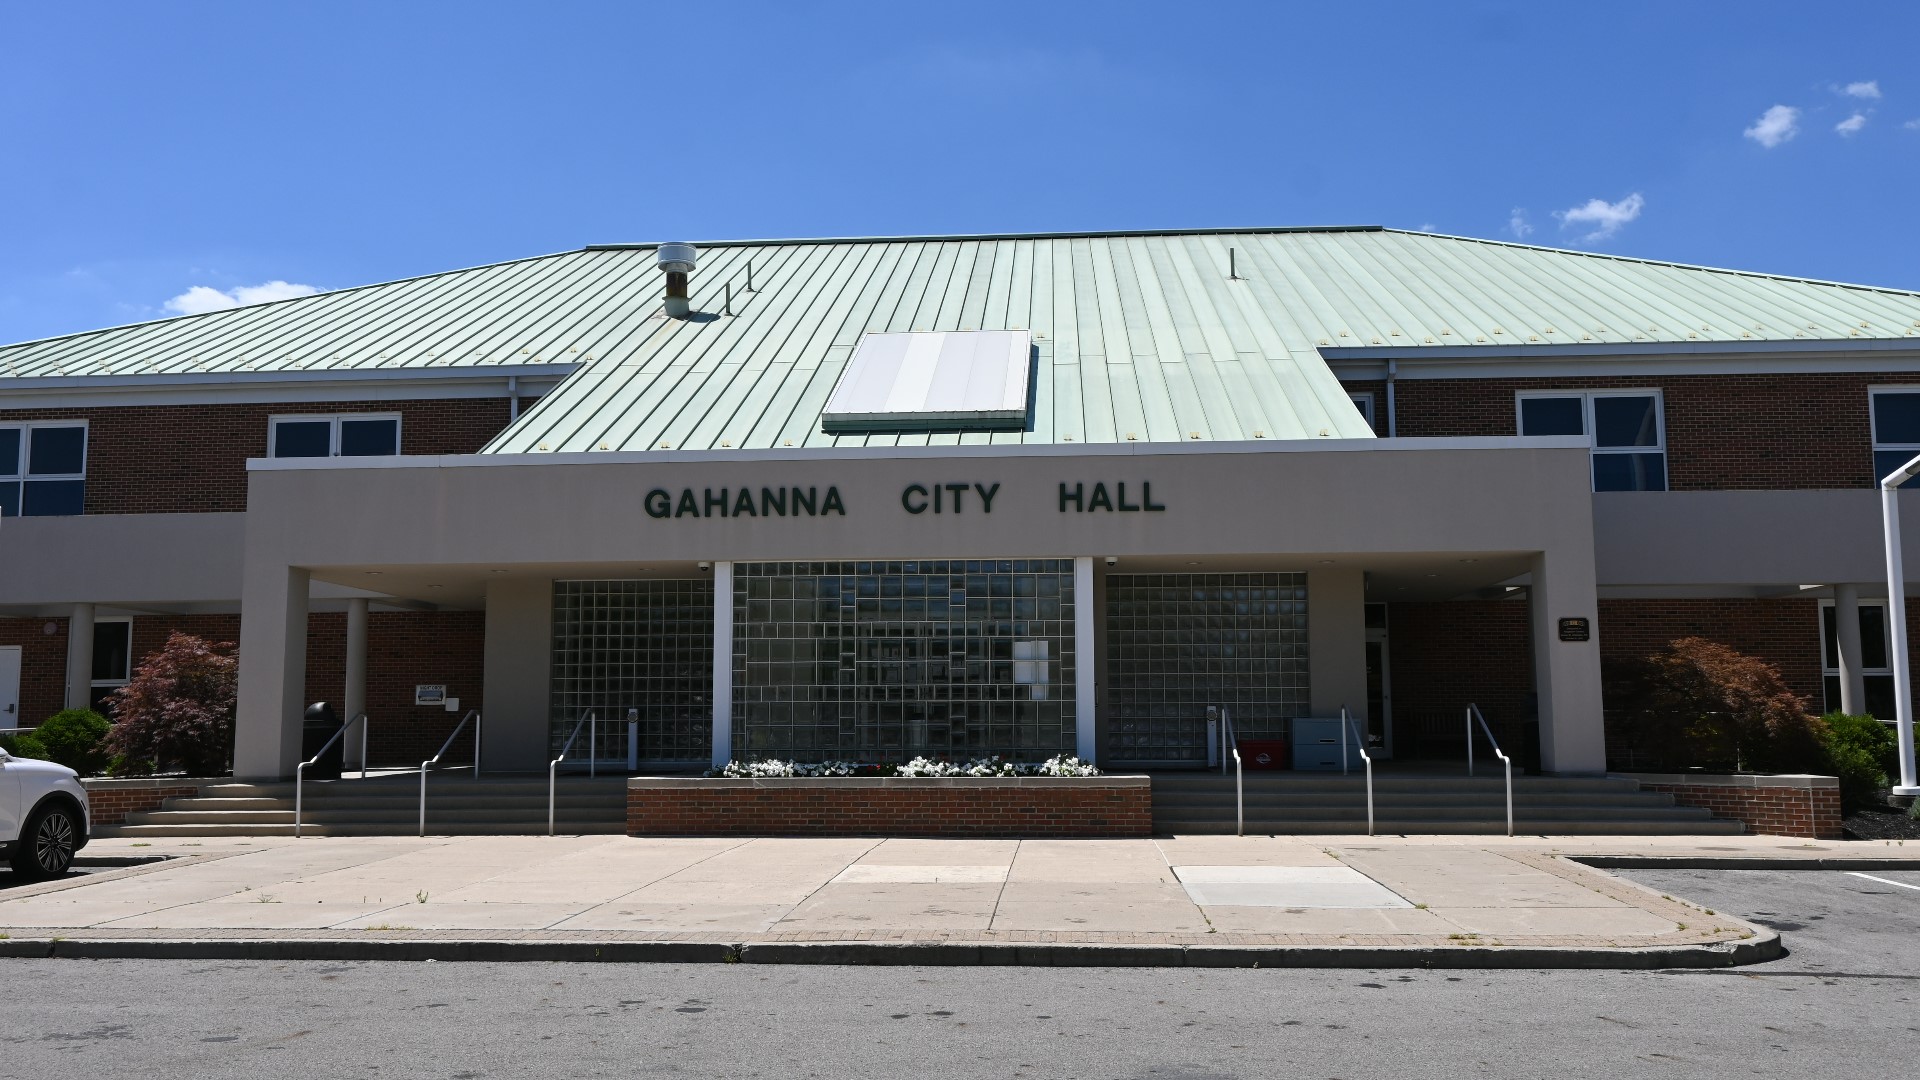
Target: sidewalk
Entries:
(1240, 901)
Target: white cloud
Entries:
(1605, 217)
(1775, 126)
(1851, 124)
(1869, 89)
(1912, 125)
(201, 299)
(1517, 223)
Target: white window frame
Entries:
(333, 428)
(1873, 427)
(1363, 400)
(25, 428)
(108, 684)
(1886, 645)
(1587, 398)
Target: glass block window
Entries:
(885, 661)
(1177, 643)
(635, 649)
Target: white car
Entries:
(43, 816)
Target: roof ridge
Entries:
(949, 237)
(1641, 260)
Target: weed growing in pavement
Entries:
(421, 896)
(389, 926)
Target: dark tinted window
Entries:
(1873, 638)
(53, 498)
(52, 451)
(10, 499)
(112, 650)
(1629, 472)
(369, 438)
(1831, 652)
(1886, 462)
(1626, 421)
(303, 438)
(9, 451)
(1896, 419)
(1552, 416)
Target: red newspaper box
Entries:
(1263, 753)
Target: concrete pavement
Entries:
(1216, 900)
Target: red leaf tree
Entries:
(1700, 703)
(177, 712)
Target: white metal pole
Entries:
(1897, 623)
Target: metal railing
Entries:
(1232, 745)
(553, 768)
(1350, 729)
(300, 770)
(1473, 715)
(473, 715)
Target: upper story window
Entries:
(348, 435)
(1625, 428)
(1364, 402)
(43, 468)
(1896, 431)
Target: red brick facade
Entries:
(43, 667)
(167, 459)
(1724, 432)
(1112, 807)
(110, 801)
(1783, 809)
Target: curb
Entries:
(1758, 949)
(1738, 862)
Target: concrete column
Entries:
(80, 657)
(1846, 639)
(722, 663)
(1566, 674)
(519, 663)
(1337, 641)
(1086, 664)
(273, 671)
(353, 697)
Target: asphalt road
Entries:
(1844, 1004)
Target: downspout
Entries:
(1393, 426)
(513, 398)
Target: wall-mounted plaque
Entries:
(1576, 630)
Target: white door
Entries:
(10, 686)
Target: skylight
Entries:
(953, 380)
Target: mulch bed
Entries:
(1881, 824)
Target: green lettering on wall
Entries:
(687, 505)
(659, 504)
(1073, 496)
(773, 501)
(907, 499)
(1099, 500)
(833, 505)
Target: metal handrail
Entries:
(1349, 727)
(553, 768)
(473, 715)
(1473, 714)
(300, 770)
(1239, 778)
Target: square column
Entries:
(722, 663)
(1337, 641)
(80, 657)
(1086, 663)
(353, 696)
(519, 658)
(273, 672)
(1566, 674)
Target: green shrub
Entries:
(24, 745)
(72, 738)
(1862, 752)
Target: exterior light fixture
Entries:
(1897, 623)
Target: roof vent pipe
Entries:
(677, 260)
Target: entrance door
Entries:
(1379, 690)
(10, 686)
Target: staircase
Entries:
(457, 804)
(1290, 802)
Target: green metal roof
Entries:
(1140, 336)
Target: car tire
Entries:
(47, 843)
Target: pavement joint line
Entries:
(1884, 881)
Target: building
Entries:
(864, 499)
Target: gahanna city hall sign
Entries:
(766, 502)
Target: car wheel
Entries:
(46, 845)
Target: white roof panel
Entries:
(971, 380)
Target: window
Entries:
(1896, 431)
(43, 469)
(352, 435)
(1876, 664)
(112, 657)
(1364, 402)
(1624, 427)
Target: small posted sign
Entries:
(1576, 630)
(430, 694)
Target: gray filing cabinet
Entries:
(1316, 745)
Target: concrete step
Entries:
(1433, 798)
(504, 816)
(564, 828)
(1447, 814)
(1387, 827)
(1318, 782)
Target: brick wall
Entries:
(1441, 656)
(1114, 807)
(156, 459)
(43, 668)
(110, 801)
(1790, 806)
(1803, 430)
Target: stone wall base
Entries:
(1804, 806)
(1118, 806)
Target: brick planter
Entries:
(1788, 805)
(1027, 806)
(110, 801)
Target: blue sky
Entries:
(168, 157)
